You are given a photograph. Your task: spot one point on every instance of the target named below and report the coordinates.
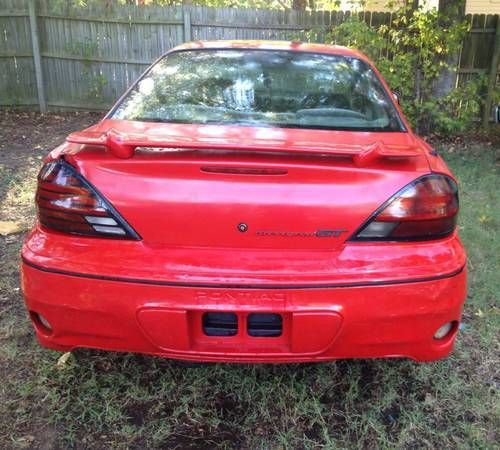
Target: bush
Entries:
(412, 54)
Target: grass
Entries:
(100, 400)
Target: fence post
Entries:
(492, 79)
(186, 17)
(36, 56)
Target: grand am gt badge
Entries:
(317, 233)
(243, 227)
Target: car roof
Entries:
(272, 45)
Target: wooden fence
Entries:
(57, 55)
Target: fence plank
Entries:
(17, 79)
(492, 76)
(186, 24)
(36, 56)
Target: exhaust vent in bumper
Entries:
(220, 324)
(264, 325)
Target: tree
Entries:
(299, 4)
(449, 5)
(450, 12)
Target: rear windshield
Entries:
(262, 88)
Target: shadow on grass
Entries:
(159, 403)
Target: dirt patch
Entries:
(26, 133)
(26, 138)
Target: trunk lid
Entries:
(247, 187)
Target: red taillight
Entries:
(67, 202)
(425, 209)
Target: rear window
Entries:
(262, 88)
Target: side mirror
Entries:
(397, 96)
(497, 114)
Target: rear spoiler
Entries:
(123, 146)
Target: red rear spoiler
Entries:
(123, 146)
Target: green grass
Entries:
(100, 400)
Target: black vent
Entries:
(220, 324)
(264, 325)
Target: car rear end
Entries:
(238, 242)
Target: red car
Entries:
(248, 201)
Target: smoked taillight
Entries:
(68, 203)
(425, 209)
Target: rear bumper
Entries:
(319, 324)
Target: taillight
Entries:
(425, 209)
(68, 203)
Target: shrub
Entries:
(412, 54)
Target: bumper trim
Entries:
(240, 286)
